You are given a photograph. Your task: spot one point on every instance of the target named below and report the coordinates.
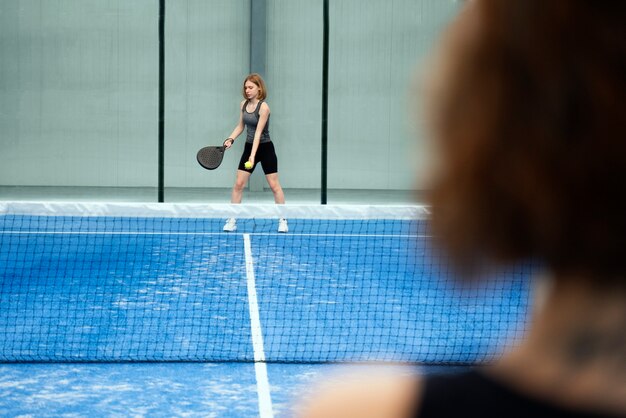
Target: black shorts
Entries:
(265, 154)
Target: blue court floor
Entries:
(162, 389)
(171, 289)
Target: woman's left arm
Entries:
(264, 114)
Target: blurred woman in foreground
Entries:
(527, 107)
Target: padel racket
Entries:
(211, 157)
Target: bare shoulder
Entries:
(265, 108)
(365, 396)
(241, 104)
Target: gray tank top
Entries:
(251, 120)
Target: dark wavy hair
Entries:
(531, 130)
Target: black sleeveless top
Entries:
(473, 394)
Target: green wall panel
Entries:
(207, 59)
(78, 92)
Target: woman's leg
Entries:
(240, 183)
(272, 180)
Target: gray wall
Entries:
(78, 92)
(374, 55)
(207, 58)
(79, 89)
(375, 48)
(294, 67)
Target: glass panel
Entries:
(78, 97)
(374, 53)
(295, 77)
(207, 58)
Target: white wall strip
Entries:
(198, 210)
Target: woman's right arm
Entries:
(238, 129)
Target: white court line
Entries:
(211, 233)
(260, 368)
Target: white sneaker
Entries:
(230, 225)
(282, 225)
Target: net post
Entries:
(324, 186)
(161, 157)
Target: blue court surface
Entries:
(163, 389)
(116, 316)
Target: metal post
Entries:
(161, 101)
(324, 187)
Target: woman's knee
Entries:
(274, 184)
(240, 183)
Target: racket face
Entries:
(210, 157)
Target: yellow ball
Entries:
(247, 165)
